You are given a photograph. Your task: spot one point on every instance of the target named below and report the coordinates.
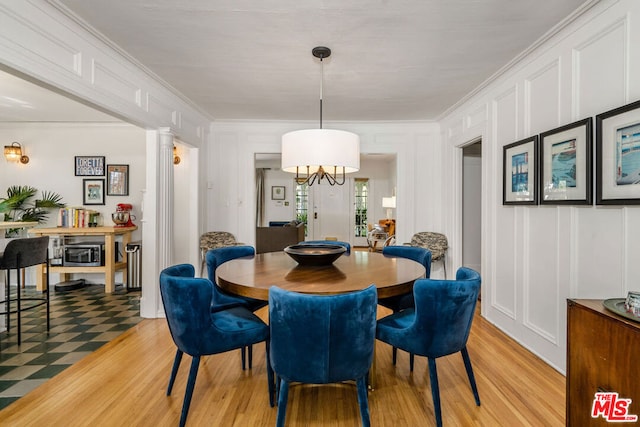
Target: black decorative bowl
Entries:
(315, 255)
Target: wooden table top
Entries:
(253, 276)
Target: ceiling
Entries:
(243, 59)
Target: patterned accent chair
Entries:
(214, 240)
(436, 243)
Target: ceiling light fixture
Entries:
(13, 153)
(321, 153)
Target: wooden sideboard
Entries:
(602, 355)
(110, 265)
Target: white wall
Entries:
(51, 149)
(231, 186)
(535, 257)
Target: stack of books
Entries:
(77, 217)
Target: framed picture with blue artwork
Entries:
(519, 172)
(565, 164)
(618, 156)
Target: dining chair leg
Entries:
(394, 354)
(472, 378)
(243, 355)
(270, 379)
(191, 382)
(411, 359)
(435, 391)
(363, 401)
(250, 351)
(282, 403)
(174, 370)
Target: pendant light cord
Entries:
(321, 83)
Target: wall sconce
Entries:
(176, 158)
(13, 153)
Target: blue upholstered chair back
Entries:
(217, 257)
(347, 245)
(444, 313)
(421, 255)
(322, 339)
(187, 306)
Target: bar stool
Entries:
(19, 254)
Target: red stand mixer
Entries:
(122, 216)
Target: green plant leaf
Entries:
(50, 200)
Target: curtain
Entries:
(260, 172)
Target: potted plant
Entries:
(19, 205)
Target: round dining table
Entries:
(253, 276)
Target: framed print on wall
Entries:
(117, 180)
(565, 164)
(89, 165)
(277, 193)
(618, 156)
(520, 164)
(93, 191)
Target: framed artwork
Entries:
(519, 181)
(277, 193)
(618, 156)
(93, 191)
(565, 164)
(117, 180)
(89, 165)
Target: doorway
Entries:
(472, 205)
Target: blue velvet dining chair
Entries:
(221, 299)
(197, 331)
(320, 339)
(437, 326)
(347, 245)
(400, 302)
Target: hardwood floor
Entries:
(124, 383)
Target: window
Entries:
(361, 194)
(302, 204)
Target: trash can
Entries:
(134, 266)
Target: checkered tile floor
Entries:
(81, 321)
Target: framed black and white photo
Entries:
(277, 192)
(565, 164)
(93, 191)
(520, 163)
(89, 165)
(117, 180)
(618, 156)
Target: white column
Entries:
(157, 219)
(165, 198)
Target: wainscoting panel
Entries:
(542, 98)
(39, 40)
(540, 292)
(599, 247)
(115, 83)
(601, 69)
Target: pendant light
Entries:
(316, 154)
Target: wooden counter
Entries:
(602, 349)
(110, 266)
